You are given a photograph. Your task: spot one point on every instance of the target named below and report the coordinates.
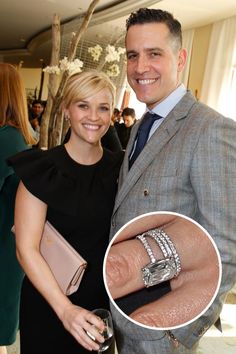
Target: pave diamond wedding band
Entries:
(165, 244)
(164, 269)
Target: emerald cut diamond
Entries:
(159, 271)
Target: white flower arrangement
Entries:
(52, 70)
(64, 65)
(75, 66)
(113, 70)
(113, 54)
(95, 52)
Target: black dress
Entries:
(80, 201)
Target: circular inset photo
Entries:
(162, 270)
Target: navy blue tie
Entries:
(142, 134)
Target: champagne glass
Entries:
(108, 332)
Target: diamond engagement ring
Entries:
(158, 271)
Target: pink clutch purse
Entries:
(65, 262)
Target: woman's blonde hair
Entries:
(88, 83)
(13, 104)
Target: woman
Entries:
(73, 186)
(14, 136)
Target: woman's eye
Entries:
(82, 106)
(104, 108)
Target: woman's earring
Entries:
(67, 118)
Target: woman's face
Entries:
(90, 118)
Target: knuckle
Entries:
(117, 270)
(148, 319)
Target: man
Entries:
(35, 114)
(188, 166)
(128, 115)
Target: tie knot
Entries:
(150, 115)
(148, 120)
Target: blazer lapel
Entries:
(158, 140)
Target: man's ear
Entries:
(182, 59)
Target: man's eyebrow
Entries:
(154, 49)
(131, 51)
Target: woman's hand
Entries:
(79, 322)
(29, 228)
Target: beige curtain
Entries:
(219, 83)
(187, 43)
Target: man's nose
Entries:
(142, 64)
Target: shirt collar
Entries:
(163, 108)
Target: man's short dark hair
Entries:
(37, 102)
(127, 111)
(145, 15)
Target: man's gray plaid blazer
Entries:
(188, 166)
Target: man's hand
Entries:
(192, 291)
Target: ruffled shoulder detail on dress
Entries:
(46, 179)
(57, 180)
